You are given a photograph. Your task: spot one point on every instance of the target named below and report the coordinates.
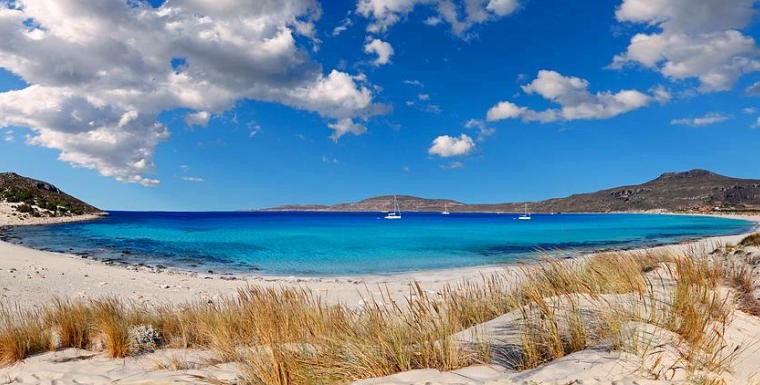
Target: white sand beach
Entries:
(31, 277)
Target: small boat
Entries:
(525, 216)
(445, 209)
(396, 212)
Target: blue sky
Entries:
(507, 100)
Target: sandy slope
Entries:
(30, 277)
(10, 217)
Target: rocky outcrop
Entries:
(40, 198)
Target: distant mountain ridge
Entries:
(40, 198)
(694, 190)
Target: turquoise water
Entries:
(354, 243)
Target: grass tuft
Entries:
(289, 336)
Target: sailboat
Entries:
(396, 213)
(525, 216)
(445, 209)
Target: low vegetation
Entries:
(289, 336)
(751, 240)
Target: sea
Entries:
(335, 244)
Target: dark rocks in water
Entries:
(254, 268)
(210, 271)
(126, 252)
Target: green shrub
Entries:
(24, 208)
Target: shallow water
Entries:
(289, 243)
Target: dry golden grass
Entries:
(289, 336)
(751, 240)
(743, 283)
(22, 333)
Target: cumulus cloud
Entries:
(461, 15)
(695, 40)
(382, 49)
(193, 179)
(100, 73)
(448, 146)
(345, 126)
(575, 101)
(199, 118)
(505, 110)
(706, 120)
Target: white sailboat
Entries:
(445, 209)
(396, 212)
(525, 216)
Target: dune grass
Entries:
(289, 336)
(751, 240)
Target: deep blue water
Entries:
(287, 243)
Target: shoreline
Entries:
(31, 277)
(232, 275)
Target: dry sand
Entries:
(30, 277)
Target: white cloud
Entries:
(696, 40)
(253, 129)
(345, 126)
(192, 179)
(483, 130)
(382, 49)
(502, 7)
(199, 118)
(504, 110)
(574, 99)
(432, 108)
(453, 165)
(342, 27)
(753, 89)
(706, 120)
(448, 146)
(749, 110)
(9, 137)
(415, 83)
(462, 15)
(433, 21)
(100, 74)
(423, 97)
(661, 94)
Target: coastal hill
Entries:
(695, 190)
(379, 203)
(36, 198)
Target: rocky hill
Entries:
(695, 190)
(380, 203)
(38, 198)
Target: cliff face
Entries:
(40, 198)
(690, 190)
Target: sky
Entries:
(238, 104)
